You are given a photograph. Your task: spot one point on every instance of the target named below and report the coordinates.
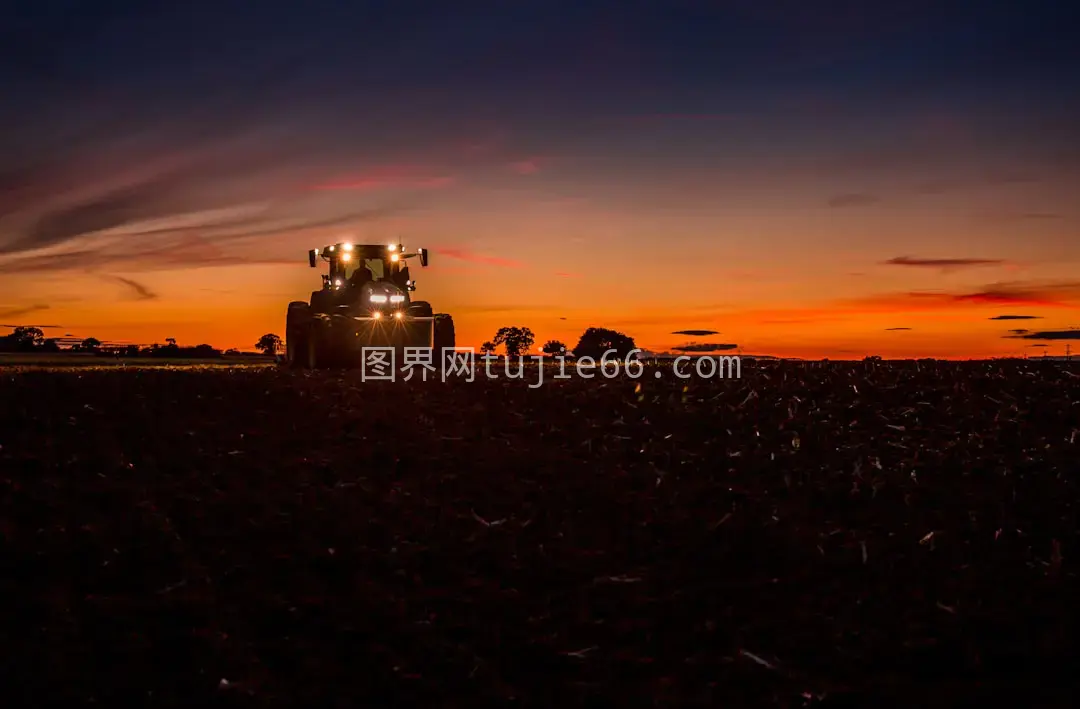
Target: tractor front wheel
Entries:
(312, 355)
(297, 333)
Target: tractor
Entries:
(365, 301)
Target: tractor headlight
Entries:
(398, 314)
(376, 314)
(377, 298)
(397, 298)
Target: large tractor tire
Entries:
(297, 334)
(314, 351)
(443, 336)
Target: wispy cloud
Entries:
(140, 291)
(567, 274)
(942, 263)
(389, 177)
(853, 199)
(1048, 335)
(179, 244)
(1016, 317)
(896, 329)
(169, 254)
(1021, 217)
(1010, 178)
(704, 347)
(1041, 215)
(472, 257)
(21, 310)
(1060, 295)
(528, 166)
(696, 333)
(1020, 331)
(1057, 295)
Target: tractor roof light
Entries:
(392, 247)
(347, 247)
(346, 257)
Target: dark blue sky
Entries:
(498, 59)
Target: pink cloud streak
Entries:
(472, 257)
(388, 177)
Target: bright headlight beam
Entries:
(375, 298)
(397, 298)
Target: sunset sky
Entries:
(814, 179)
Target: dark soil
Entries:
(829, 535)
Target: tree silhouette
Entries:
(554, 348)
(596, 341)
(488, 348)
(26, 338)
(90, 344)
(268, 344)
(516, 340)
(170, 342)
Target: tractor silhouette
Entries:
(364, 301)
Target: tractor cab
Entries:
(366, 276)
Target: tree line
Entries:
(515, 341)
(32, 339)
(595, 342)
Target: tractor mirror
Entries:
(311, 257)
(423, 257)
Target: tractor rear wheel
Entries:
(443, 336)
